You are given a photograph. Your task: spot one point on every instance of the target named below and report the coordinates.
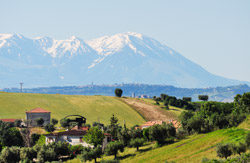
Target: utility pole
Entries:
(21, 87)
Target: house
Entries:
(75, 137)
(12, 121)
(36, 113)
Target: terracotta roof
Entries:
(68, 133)
(82, 128)
(38, 110)
(8, 120)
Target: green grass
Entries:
(191, 149)
(14, 105)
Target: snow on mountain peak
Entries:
(107, 45)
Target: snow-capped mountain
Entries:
(123, 58)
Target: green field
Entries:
(192, 149)
(94, 108)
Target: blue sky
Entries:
(213, 33)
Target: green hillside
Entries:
(14, 105)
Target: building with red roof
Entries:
(37, 113)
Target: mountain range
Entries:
(122, 58)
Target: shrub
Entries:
(49, 127)
(113, 148)
(224, 150)
(10, 155)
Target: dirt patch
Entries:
(148, 111)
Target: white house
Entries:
(74, 137)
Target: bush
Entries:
(224, 150)
(39, 121)
(10, 155)
(49, 127)
(54, 121)
(27, 154)
(17, 122)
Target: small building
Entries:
(36, 113)
(75, 137)
(12, 121)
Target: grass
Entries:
(191, 149)
(94, 108)
(175, 110)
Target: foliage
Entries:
(88, 154)
(224, 150)
(94, 136)
(10, 155)
(239, 148)
(113, 148)
(118, 92)
(49, 127)
(34, 138)
(17, 122)
(136, 133)
(159, 133)
(65, 122)
(187, 99)
(54, 121)
(76, 150)
(138, 142)
(27, 154)
(39, 121)
(46, 154)
(203, 97)
(124, 136)
(9, 136)
(113, 128)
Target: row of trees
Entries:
(216, 115)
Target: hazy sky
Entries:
(213, 33)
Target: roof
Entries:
(8, 120)
(38, 110)
(69, 133)
(82, 128)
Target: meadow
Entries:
(94, 108)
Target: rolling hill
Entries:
(94, 108)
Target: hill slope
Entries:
(94, 108)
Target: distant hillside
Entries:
(215, 94)
(94, 108)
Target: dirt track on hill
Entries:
(148, 111)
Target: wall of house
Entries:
(34, 116)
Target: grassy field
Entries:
(14, 105)
(174, 110)
(193, 149)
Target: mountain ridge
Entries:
(122, 58)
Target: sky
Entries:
(212, 33)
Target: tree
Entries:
(88, 154)
(239, 148)
(65, 122)
(187, 99)
(27, 154)
(124, 136)
(113, 148)
(54, 121)
(10, 155)
(94, 136)
(26, 135)
(224, 150)
(166, 104)
(39, 121)
(158, 133)
(203, 97)
(49, 127)
(113, 127)
(138, 142)
(118, 92)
